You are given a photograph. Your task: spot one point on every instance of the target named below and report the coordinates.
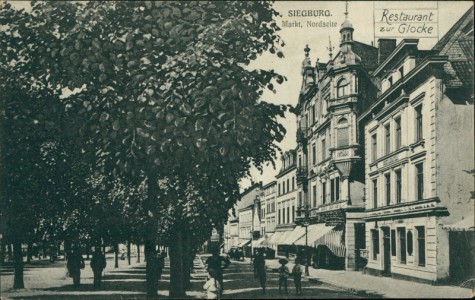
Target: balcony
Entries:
(302, 136)
(302, 173)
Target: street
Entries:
(48, 281)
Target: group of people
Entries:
(75, 263)
(216, 264)
(284, 274)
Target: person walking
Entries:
(297, 274)
(75, 264)
(98, 264)
(283, 275)
(260, 264)
(217, 263)
(212, 286)
(160, 264)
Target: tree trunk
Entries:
(88, 249)
(151, 231)
(116, 255)
(10, 252)
(18, 282)
(28, 252)
(45, 251)
(128, 253)
(2, 250)
(187, 260)
(138, 253)
(176, 265)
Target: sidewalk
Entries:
(386, 287)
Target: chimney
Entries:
(385, 47)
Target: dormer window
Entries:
(342, 87)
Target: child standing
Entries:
(212, 286)
(297, 273)
(283, 275)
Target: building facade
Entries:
(286, 204)
(418, 138)
(330, 188)
(269, 208)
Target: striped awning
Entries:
(275, 238)
(242, 244)
(258, 243)
(334, 240)
(293, 236)
(314, 232)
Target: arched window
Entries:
(342, 88)
(343, 136)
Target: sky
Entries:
(360, 14)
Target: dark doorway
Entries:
(360, 243)
(386, 250)
(461, 244)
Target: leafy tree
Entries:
(163, 88)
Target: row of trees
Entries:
(133, 121)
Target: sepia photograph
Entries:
(237, 150)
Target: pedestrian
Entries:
(254, 264)
(212, 285)
(160, 264)
(75, 264)
(283, 275)
(98, 264)
(217, 263)
(260, 264)
(297, 274)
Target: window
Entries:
(402, 244)
(278, 216)
(314, 155)
(421, 245)
(288, 214)
(393, 242)
(388, 188)
(342, 88)
(300, 160)
(375, 193)
(419, 123)
(337, 188)
(293, 183)
(279, 189)
(409, 242)
(420, 181)
(398, 134)
(324, 192)
(283, 187)
(293, 213)
(398, 186)
(387, 139)
(390, 80)
(314, 189)
(288, 185)
(324, 150)
(401, 72)
(374, 145)
(332, 190)
(313, 114)
(375, 239)
(300, 199)
(343, 138)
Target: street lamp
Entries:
(306, 222)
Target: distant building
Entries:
(418, 138)
(286, 204)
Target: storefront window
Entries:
(409, 243)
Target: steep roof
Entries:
(458, 45)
